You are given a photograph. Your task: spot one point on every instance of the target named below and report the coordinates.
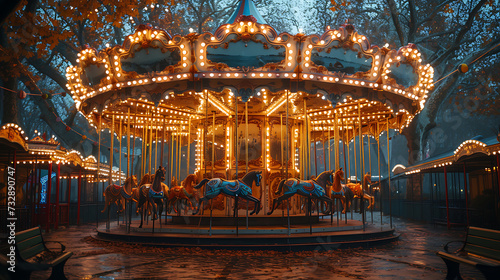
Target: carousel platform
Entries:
(271, 234)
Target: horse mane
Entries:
(129, 181)
(188, 182)
(145, 179)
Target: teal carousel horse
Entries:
(308, 188)
(235, 188)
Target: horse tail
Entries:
(280, 187)
(203, 182)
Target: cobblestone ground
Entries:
(411, 257)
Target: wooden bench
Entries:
(33, 255)
(481, 250)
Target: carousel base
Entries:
(322, 235)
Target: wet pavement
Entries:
(411, 257)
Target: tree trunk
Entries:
(10, 101)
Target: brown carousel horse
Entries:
(113, 193)
(357, 189)
(348, 191)
(184, 192)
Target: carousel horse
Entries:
(154, 194)
(339, 190)
(308, 188)
(146, 179)
(235, 188)
(348, 191)
(184, 192)
(357, 189)
(113, 193)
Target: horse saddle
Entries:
(213, 183)
(115, 190)
(341, 192)
(231, 187)
(308, 185)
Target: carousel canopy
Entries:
(246, 8)
(168, 80)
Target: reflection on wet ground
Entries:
(411, 257)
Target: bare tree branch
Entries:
(395, 21)
(458, 40)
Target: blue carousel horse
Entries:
(308, 188)
(235, 188)
(154, 194)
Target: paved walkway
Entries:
(411, 257)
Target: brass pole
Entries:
(362, 167)
(354, 151)
(111, 151)
(287, 131)
(179, 152)
(308, 146)
(336, 137)
(97, 176)
(151, 170)
(133, 143)
(329, 151)
(143, 149)
(172, 149)
(213, 143)
(389, 172)
(315, 157)
(324, 147)
(156, 144)
(120, 155)
(281, 144)
(188, 145)
(205, 133)
(348, 155)
(246, 136)
(361, 148)
(236, 136)
(370, 153)
(379, 179)
(128, 143)
(162, 142)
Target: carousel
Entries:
(245, 131)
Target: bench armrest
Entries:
(445, 248)
(62, 245)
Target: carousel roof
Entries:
(172, 79)
(246, 8)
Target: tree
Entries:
(40, 38)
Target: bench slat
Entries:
(457, 258)
(28, 243)
(25, 234)
(61, 258)
(483, 232)
(484, 242)
(483, 251)
(33, 251)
